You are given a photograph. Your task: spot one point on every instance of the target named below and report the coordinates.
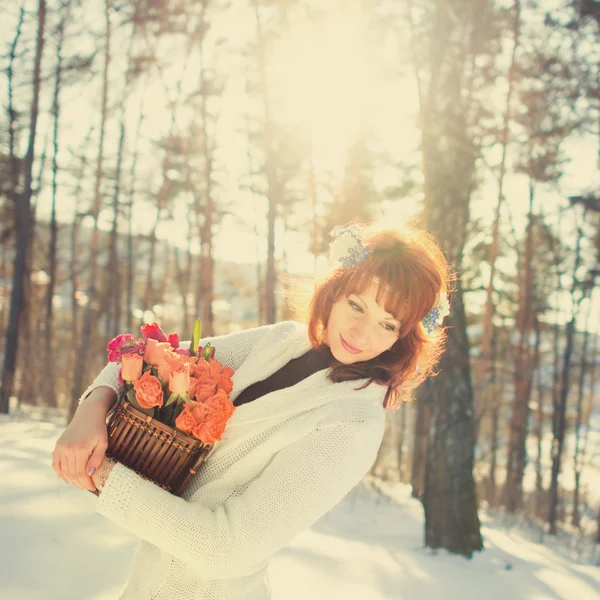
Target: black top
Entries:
(290, 374)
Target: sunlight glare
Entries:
(322, 81)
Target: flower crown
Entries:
(347, 250)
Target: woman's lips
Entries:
(348, 347)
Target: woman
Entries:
(311, 401)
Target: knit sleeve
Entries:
(230, 350)
(301, 484)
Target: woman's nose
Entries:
(359, 331)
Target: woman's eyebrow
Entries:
(385, 318)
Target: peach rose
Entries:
(155, 351)
(148, 391)
(169, 362)
(179, 380)
(131, 369)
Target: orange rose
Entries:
(203, 384)
(148, 391)
(209, 432)
(132, 364)
(202, 412)
(179, 380)
(225, 383)
(202, 370)
(216, 368)
(221, 404)
(185, 421)
(155, 351)
(204, 390)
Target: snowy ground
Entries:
(54, 547)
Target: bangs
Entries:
(400, 289)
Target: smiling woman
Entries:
(359, 329)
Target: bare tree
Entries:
(92, 291)
(273, 188)
(49, 390)
(447, 93)
(483, 365)
(23, 228)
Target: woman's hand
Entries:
(80, 450)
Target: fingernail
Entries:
(91, 471)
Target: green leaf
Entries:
(196, 335)
(131, 397)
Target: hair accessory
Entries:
(347, 248)
(434, 318)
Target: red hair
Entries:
(412, 272)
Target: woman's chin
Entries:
(344, 356)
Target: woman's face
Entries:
(359, 329)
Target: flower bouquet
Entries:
(175, 405)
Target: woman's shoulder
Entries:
(282, 328)
(358, 405)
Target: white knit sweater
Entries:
(285, 460)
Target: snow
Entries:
(54, 547)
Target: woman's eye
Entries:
(389, 327)
(355, 306)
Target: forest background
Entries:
(162, 159)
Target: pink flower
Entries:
(182, 351)
(139, 348)
(153, 331)
(174, 340)
(123, 339)
(117, 345)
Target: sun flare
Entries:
(322, 81)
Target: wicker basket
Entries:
(152, 449)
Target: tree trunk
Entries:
(495, 405)
(149, 295)
(15, 166)
(401, 438)
(271, 171)
(578, 456)
(113, 322)
(206, 241)
(421, 428)
(482, 365)
(92, 293)
(560, 414)
(539, 433)
(49, 383)
(515, 461)
(130, 196)
(22, 230)
(449, 498)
